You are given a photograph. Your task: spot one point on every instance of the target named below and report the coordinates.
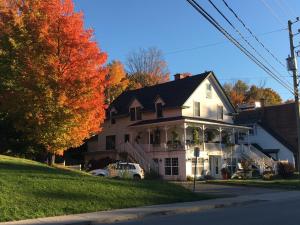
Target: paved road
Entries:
(285, 212)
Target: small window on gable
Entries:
(197, 109)
(220, 112)
(159, 112)
(112, 117)
(208, 91)
(132, 114)
(138, 113)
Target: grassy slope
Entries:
(29, 190)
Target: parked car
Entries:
(120, 169)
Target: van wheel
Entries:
(100, 175)
(136, 177)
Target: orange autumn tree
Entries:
(52, 76)
(117, 81)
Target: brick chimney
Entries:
(179, 76)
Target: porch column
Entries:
(166, 137)
(203, 136)
(232, 148)
(184, 135)
(248, 140)
(149, 139)
(220, 139)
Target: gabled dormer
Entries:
(159, 103)
(112, 113)
(135, 110)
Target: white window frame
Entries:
(195, 113)
(222, 115)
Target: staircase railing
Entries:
(139, 155)
(259, 159)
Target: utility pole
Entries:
(292, 66)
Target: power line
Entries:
(247, 42)
(217, 43)
(272, 12)
(290, 9)
(212, 21)
(282, 8)
(252, 34)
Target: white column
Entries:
(166, 137)
(149, 139)
(248, 140)
(184, 135)
(203, 136)
(220, 138)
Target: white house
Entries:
(160, 126)
(274, 130)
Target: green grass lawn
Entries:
(278, 183)
(29, 190)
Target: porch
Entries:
(184, 135)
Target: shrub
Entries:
(152, 175)
(285, 170)
(225, 173)
(189, 178)
(208, 177)
(267, 175)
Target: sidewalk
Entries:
(156, 210)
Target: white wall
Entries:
(208, 106)
(267, 141)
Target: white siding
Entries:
(267, 141)
(208, 106)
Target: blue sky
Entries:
(188, 41)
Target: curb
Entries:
(133, 213)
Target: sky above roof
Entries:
(188, 41)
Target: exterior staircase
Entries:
(138, 155)
(259, 159)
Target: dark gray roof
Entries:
(173, 93)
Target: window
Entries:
(196, 108)
(159, 112)
(112, 119)
(138, 113)
(171, 166)
(220, 112)
(111, 142)
(199, 168)
(135, 113)
(208, 91)
(126, 138)
(132, 114)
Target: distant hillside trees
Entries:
(240, 92)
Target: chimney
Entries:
(262, 102)
(179, 76)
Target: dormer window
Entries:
(138, 113)
(159, 112)
(112, 116)
(208, 91)
(220, 112)
(135, 113)
(197, 109)
(132, 114)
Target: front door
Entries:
(215, 165)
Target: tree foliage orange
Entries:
(117, 81)
(52, 75)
